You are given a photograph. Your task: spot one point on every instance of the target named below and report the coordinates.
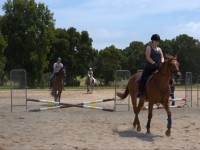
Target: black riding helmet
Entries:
(155, 37)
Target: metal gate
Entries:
(198, 90)
(188, 88)
(18, 89)
(121, 80)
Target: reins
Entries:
(165, 75)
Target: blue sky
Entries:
(119, 22)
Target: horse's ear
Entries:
(175, 56)
(167, 57)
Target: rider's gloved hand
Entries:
(156, 65)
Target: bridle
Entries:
(173, 72)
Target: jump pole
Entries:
(84, 103)
(71, 105)
(178, 99)
(175, 106)
(162, 107)
(65, 105)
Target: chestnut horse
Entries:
(58, 85)
(156, 92)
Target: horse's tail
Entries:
(123, 95)
(131, 86)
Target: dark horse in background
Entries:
(156, 92)
(58, 83)
(90, 81)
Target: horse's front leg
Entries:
(92, 88)
(59, 95)
(169, 119)
(55, 96)
(149, 117)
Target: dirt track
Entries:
(78, 128)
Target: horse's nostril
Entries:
(179, 74)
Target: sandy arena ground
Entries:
(81, 128)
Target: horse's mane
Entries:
(168, 57)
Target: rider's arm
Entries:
(54, 66)
(148, 53)
(61, 65)
(161, 54)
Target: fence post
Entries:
(188, 88)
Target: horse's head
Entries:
(173, 65)
(62, 71)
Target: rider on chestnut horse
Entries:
(154, 57)
(56, 68)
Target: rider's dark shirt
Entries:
(155, 56)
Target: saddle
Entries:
(142, 86)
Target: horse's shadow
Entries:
(132, 133)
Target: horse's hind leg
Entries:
(134, 103)
(136, 122)
(87, 89)
(140, 105)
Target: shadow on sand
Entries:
(131, 133)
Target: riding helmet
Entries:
(155, 37)
(58, 59)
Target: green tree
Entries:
(3, 45)
(135, 57)
(188, 51)
(85, 55)
(167, 47)
(109, 60)
(27, 28)
(60, 47)
(76, 51)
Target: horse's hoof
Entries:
(148, 132)
(134, 125)
(168, 133)
(138, 129)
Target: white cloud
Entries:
(120, 22)
(103, 37)
(190, 28)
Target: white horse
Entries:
(90, 82)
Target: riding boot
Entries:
(139, 93)
(140, 88)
